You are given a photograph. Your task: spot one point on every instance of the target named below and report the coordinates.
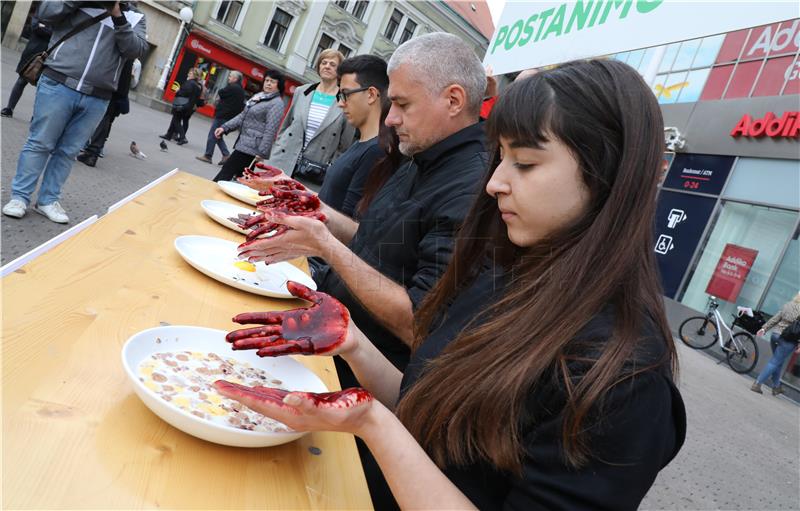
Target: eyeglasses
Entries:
(343, 93)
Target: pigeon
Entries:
(136, 153)
(163, 145)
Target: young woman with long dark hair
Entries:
(542, 367)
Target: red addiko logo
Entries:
(785, 126)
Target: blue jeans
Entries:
(212, 140)
(63, 120)
(774, 367)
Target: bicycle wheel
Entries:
(698, 332)
(742, 352)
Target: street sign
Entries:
(703, 173)
(540, 33)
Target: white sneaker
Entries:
(53, 211)
(15, 208)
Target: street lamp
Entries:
(186, 14)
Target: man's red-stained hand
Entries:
(299, 236)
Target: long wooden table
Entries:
(75, 436)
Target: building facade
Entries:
(288, 35)
(729, 206)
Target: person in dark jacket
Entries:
(119, 105)
(190, 93)
(230, 103)
(543, 366)
(257, 124)
(72, 95)
(39, 39)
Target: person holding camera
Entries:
(77, 82)
(257, 124)
(183, 106)
(785, 344)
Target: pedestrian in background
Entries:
(119, 105)
(257, 124)
(229, 105)
(789, 313)
(183, 106)
(314, 132)
(39, 38)
(72, 95)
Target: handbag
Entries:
(181, 104)
(792, 332)
(32, 69)
(310, 170)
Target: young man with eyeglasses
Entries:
(362, 92)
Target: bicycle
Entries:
(701, 332)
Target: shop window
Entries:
(669, 57)
(345, 50)
(685, 54)
(708, 50)
(770, 181)
(716, 83)
(325, 42)
(635, 58)
(647, 59)
(278, 28)
(787, 279)
(393, 25)
(732, 46)
(743, 79)
(751, 228)
(773, 76)
(668, 87)
(228, 12)
(695, 81)
(408, 31)
(360, 8)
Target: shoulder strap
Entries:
(83, 25)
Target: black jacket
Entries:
(190, 89)
(37, 43)
(407, 232)
(230, 103)
(641, 429)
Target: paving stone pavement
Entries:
(741, 451)
(90, 191)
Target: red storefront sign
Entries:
(787, 125)
(196, 47)
(731, 272)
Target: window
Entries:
(277, 29)
(394, 24)
(342, 3)
(229, 11)
(345, 50)
(325, 42)
(360, 8)
(787, 279)
(758, 228)
(408, 31)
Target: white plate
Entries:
(295, 376)
(216, 257)
(222, 211)
(242, 192)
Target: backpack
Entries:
(792, 332)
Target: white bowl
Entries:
(221, 211)
(215, 257)
(241, 192)
(295, 376)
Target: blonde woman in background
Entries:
(314, 131)
(789, 313)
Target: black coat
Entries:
(190, 89)
(230, 103)
(40, 38)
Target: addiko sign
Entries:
(540, 33)
(785, 126)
